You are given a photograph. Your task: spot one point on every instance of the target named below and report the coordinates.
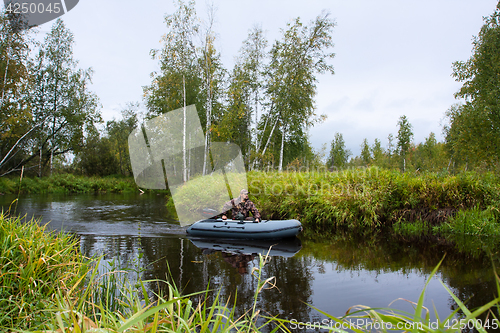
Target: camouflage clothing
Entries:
(244, 207)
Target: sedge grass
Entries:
(34, 265)
(358, 199)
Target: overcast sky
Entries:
(393, 57)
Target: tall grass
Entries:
(369, 198)
(133, 310)
(34, 264)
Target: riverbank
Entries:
(378, 199)
(67, 183)
(409, 205)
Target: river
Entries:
(136, 231)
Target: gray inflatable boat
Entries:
(241, 229)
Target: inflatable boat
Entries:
(241, 229)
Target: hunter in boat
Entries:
(243, 226)
(241, 207)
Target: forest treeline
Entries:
(51, 121)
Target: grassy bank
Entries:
(372, 198)
(35, 265)
(67, 183)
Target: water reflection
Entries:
(274, 248)
(334, 274)
(239, 253)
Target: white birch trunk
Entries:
(280, 168)
(40, 164)
(270, 135)
(5, 79)
(51, 159)
(209, 116)
(184, 168)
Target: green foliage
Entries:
(405, 136)
(472, 133)
(365, 152)
(291, 86)
(15, 116)
(377, 153)
(245, 96)
(430, 156)
(234, 126)
(339, 154)
(60, 100)
(416, 228)
(34, 265)
(107, 154)
(180, 70)
(68, 183)
(473, 222)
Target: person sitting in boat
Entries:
(241, 207)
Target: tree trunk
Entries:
(5, 79)
(209, 116)
(184, 168)
(282, 148)
(51, 159)
(40, 164)
(258, 141)
(270, 135)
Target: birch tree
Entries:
(213, 80)
(245, 95)
(179, 81)
(302, 52)
(250, 69)
(473, 133)
(60, 99)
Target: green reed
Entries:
(34, 265)
(135, 311)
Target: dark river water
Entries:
(332, 275)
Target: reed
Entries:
(34, 265)
(122, 308)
